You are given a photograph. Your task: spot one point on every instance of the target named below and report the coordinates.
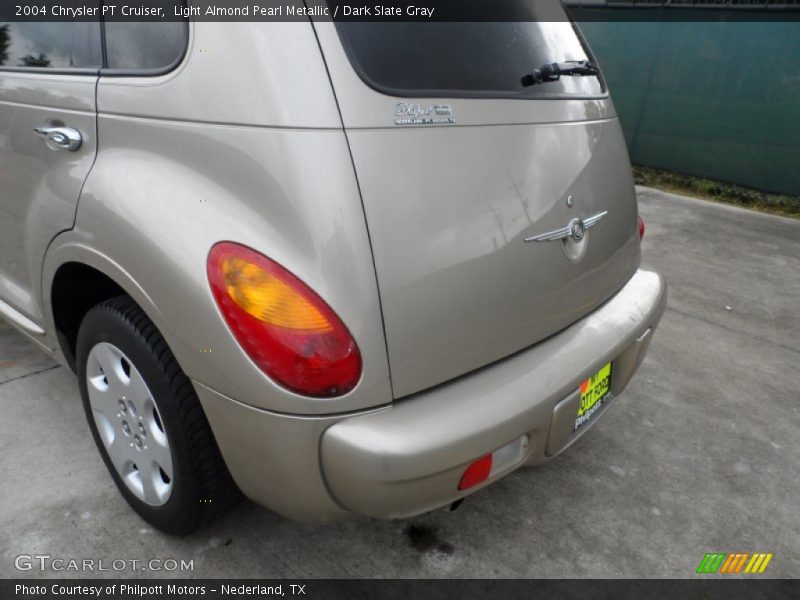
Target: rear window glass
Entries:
(465, 59)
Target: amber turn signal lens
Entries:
(268, 298)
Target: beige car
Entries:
(347, 269)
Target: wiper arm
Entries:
(554, 71)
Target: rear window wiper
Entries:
(554, 71)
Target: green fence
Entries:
(714, 99)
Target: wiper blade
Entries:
(554, 71)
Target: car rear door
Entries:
(48, 78)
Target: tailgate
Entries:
(450, 202)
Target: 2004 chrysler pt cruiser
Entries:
(291, 260)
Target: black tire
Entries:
(202, 488)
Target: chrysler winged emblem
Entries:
(575, 230)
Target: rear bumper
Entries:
(408, 458)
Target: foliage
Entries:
(718, 191)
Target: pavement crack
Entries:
(45, 370)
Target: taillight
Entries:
(282, 325)
(641, 227)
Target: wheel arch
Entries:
(76, 278)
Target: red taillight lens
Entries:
(282, 325)
(476, 473)
(641, 227)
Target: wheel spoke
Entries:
(161, 456)
(136, 390)
(111, 362)
(120, 453)
(153, 423)
(102, 401)
(110, 377)
(150, 495)
(153, 486)
(103, 354)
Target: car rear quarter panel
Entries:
(197, 157)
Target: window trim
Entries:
(47, 71)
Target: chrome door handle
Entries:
(60, 138)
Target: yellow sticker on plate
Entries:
(593, 391)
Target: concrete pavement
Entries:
(699, 455)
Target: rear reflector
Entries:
(498, 461)
(641, 227)
(476, 473)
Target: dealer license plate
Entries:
(594, 391)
